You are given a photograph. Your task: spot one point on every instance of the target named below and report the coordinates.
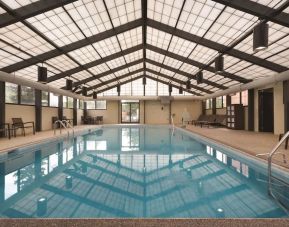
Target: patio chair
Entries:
(19, 124)
(99, 119)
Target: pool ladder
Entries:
(269, 158)
(65, 124)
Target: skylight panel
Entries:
(255, 72)
(158, 38)
(232, 83)
(2, 10)
(203, 54)
(137, 86)
(62, 62)
(107, 46)
(84, 55)
(93, 83)
(172, 62)
(121, 72)
(246, 45)
(29, 73)
(155, 56)
(58, 83)
(167, 72)
(153, 67)
(181, 77)
(122, 12)
(166, 12)
(133, 56)
(116, 62)
(15, 4)
(10, 55)
(197, 16)
(163, 89)
(281, 58)
(130, 38)
(90, 16)
(125, 89)
(230, 26)
(181, 46)
(189, 68)
(99, 69)
(151, 87)
(109, 92)
(81, 75)
(108, 77)
(135, 67)
(22, 37)
(57, 26)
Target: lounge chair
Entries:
(200, 118)
(99, 119)
(19, 124)
(220, 121)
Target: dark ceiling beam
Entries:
(94, 63)
(32, 10)
(164, 82)
(188, 75)
(144, 31)
(114, 79)
(150, 77)
(73, 46)
(121, 83)
(178, 81)
(216, 46)
(196, 64)
(257, 10)
(106, 73)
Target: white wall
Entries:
(193, 107)
(27, 113)
(47, 114)
(156, 113)
(110, 115)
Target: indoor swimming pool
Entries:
(136, 171)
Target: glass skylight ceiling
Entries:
(61, 39)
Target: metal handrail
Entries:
(62, 125)
(69, 126)
(172, 120)
(270, 155)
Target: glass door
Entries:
(130, 112)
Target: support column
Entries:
(204, 107)
(214, 108)
(74, 111)
(60, 107)
(286, 104)
(228, 100)
(2, 106)
(38, 110)
(85, 114)
(251, 104)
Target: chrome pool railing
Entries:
(64, 124)
(270, 155)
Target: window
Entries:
(235, 99)
(69, 102)
(151, 87)
(224, 101)
(219, 102)
(81, 105)
(64, 101)
(44, 98)
(53, 100)
(27, 95)
(11, 93)
(90, 105)
(244, 97)
(209, 104)
(100, 105)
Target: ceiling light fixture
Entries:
(260, 36)
(42, 75)
(219, 64)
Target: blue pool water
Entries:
(134, 171)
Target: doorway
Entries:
(129, 112)
(266, 110)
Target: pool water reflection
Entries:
(136, 171)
